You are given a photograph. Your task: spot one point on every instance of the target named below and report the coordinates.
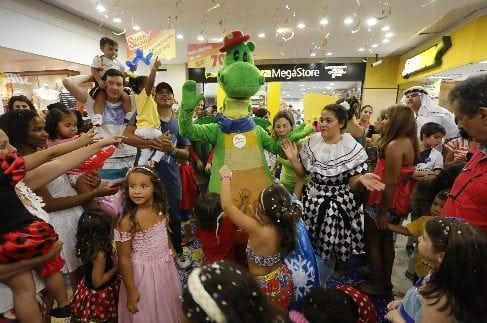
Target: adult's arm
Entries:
(36, 159)
(53, 204)
(72, 84)
(10, 270)
(45, 173)
(132, 140)
(292, 154)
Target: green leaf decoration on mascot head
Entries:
(238, 76)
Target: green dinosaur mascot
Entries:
(238, 142)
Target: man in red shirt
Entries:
(468, 196)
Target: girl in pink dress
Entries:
(150, 288)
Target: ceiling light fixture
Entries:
(200, 38)
(100, 7)
(312, 54)
(329, 54)
(385, 28)
(483, 62)
(332, 83)
(261, 35)
(385, 41)
(301, 26)
(117, 20)
(389, 35)
(374, 45)
(179, 36)
(348, 21)
(361, 49)
(324, 21)
(136, 27)
(371, 21)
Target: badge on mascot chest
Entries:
(239, 141)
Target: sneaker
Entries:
(61, 312)
(184, 261)
(97, 120)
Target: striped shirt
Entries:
(459, 147)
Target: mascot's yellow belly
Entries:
(243, 155)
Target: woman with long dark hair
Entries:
(398, 154)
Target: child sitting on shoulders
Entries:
(343, 304)
(431, 160)
(415, 229)
(101, 64)
(216, 232)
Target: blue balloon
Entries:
(139, 56)
(302, 263)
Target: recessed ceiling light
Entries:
(385, 28)
(385, 41)
(348, 21)
(329, 54)
(483, 62)
(117, 20)
(371, 21)
(200, 38)
(301, 84)
(301, 26)
(332, 83)
(100, 7)
(389, 35)
(136, 27)
(361, 49)
(312, 54)
(179, 36)
(281, 30)
(374, 45)
(261, 35)
(324, 21)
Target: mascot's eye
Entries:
(245, 57)
(236, 55)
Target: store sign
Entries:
(427, 59)
(297, 72)
(161, 43)
(205, 55)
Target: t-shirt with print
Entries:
(167, 168)
(431, 159)
(103, 64)
(113, 124)
(416, 229)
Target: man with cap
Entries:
(426, 110)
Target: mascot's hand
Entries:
(191, 98)
(302, 131)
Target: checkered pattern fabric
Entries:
(331, 214)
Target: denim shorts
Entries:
(391, 216)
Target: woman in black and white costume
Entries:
(336, 164)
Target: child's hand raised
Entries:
(225, 172)
(87, 138)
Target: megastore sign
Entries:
(296, 72)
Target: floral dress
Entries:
(331, 211)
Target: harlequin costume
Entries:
(96, 304)
(22, 234)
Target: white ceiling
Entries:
(194, 17)
(17, 61)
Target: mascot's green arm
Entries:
(274, 145)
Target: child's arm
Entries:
(152, 77)
(171, 246)
(45, 173)
(246, 223)
(98, 274)
(124, 251)
(398, 229)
